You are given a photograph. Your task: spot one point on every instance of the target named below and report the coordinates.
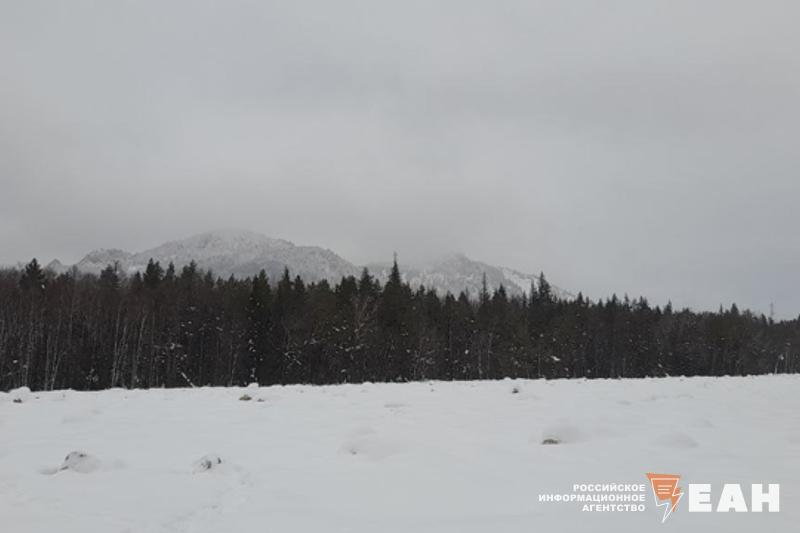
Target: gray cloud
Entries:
(629, 146)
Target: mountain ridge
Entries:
(243, 253)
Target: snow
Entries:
(432, 457)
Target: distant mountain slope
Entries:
(245, 253)
(456, 272)
(230, 252)
(97, 260)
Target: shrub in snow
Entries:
(515, 390)
(206, 463)
(245, 398)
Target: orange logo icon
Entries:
(666, 492)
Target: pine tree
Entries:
(109, 278)
(367, 285)
(189, 273)
(153, 274)
(169, 276)
(393, 317)
(484, 296)
(32, 277)
(392, 304)
(545, 292)
(258, 332)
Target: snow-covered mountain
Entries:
(57, 266)
(245, 253)
(230, 252)
(456, 272)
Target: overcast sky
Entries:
(634, 146)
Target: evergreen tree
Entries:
(109, 278)
(32, 277)
(258, 332)
(545, 292)
(169, 275)
(153, 274)
(393, 310)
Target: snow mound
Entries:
(206, 463)
(371, 447)
(562, 433)
(80, 462)
(20, 395)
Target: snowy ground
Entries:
(420, 457)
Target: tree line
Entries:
(169, 328)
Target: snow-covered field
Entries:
(373, 458)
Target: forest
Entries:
(187, 328)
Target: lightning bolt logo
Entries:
(666, 492)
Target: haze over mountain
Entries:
(244, 253)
